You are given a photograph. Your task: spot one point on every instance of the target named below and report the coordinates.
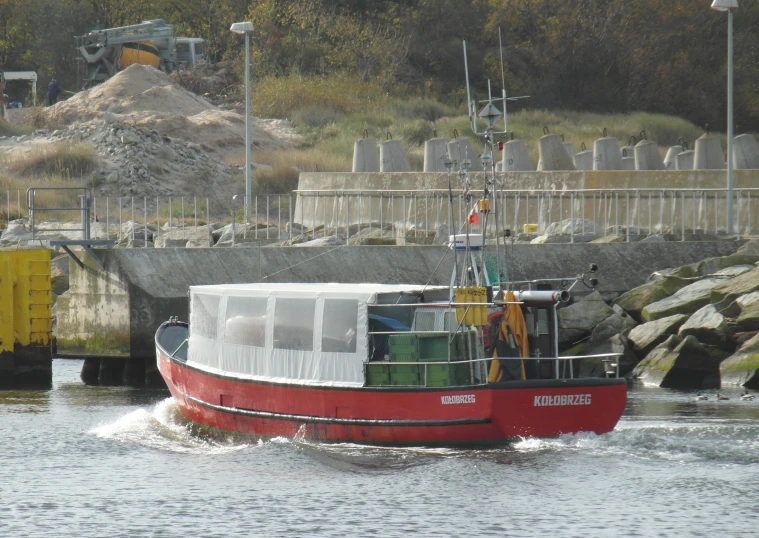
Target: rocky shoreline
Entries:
(690, 327)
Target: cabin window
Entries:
(294, 324)
(245, 322)
(200, 48)
(340, 325)
(205, 312)
(183, 48)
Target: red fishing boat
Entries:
(380, 364)
(474, 363)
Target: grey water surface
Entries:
(80, 461)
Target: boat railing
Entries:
(609, 360)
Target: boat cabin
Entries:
(359, 335)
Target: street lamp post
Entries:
(729, 6)
(246, 28)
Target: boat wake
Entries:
(164, 428)
(716, 440)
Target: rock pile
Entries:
(692, 327)
(144, 162)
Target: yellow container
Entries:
(458, 297)
(25, 299)
(469, 298)
(484, 205)
(484, 307)
(530, 228)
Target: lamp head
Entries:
(725, 5)
(241, 27)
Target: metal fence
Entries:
(629, 213)
(625, 212)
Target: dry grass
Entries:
(14, 189)
(63, 160)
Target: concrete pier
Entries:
(110, 315)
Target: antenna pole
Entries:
(468, 97)
(503, 82)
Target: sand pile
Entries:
(146, 97)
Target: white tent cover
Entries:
(313, 334)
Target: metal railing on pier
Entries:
(571, 215)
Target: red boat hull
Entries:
(395, 415)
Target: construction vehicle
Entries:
(104, 52)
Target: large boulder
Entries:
(712, 266)
(177, 237)
(750, 247)
(685, 301)
(742, 368)
(709, 327)
(595, 366)
(579, 319)
(680, 363)
(662, 285)
(727, 292)
(647, 336)
(748, 318)
(260, 234)
(15, 231)
(619, 322)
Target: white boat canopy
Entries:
(287, 333)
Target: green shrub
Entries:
(416, 133)
(425, 109)
(316, 116)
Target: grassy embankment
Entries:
(330, 114)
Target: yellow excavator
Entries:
(105, 52)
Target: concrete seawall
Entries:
(655, 200)
(112, 313)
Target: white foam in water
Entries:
(162, 428)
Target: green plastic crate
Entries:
(447, 375)
(377, 373)
(395, 340)
(405, 375)
(411, 356)
(434, 347)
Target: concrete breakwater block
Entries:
(670, 160)
(745, 153)
(516, 158)
(366, 156)
(435, 154)
(647, 156)
(606, 154)
(584, 159)
(393, 157)
(553, 154)
(628, 163)
(684, 160)
(708, 154)
(461, 149)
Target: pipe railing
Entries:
(574, 214)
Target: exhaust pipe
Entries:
(542, 296)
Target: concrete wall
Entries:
(114, 312)
(701, 209)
